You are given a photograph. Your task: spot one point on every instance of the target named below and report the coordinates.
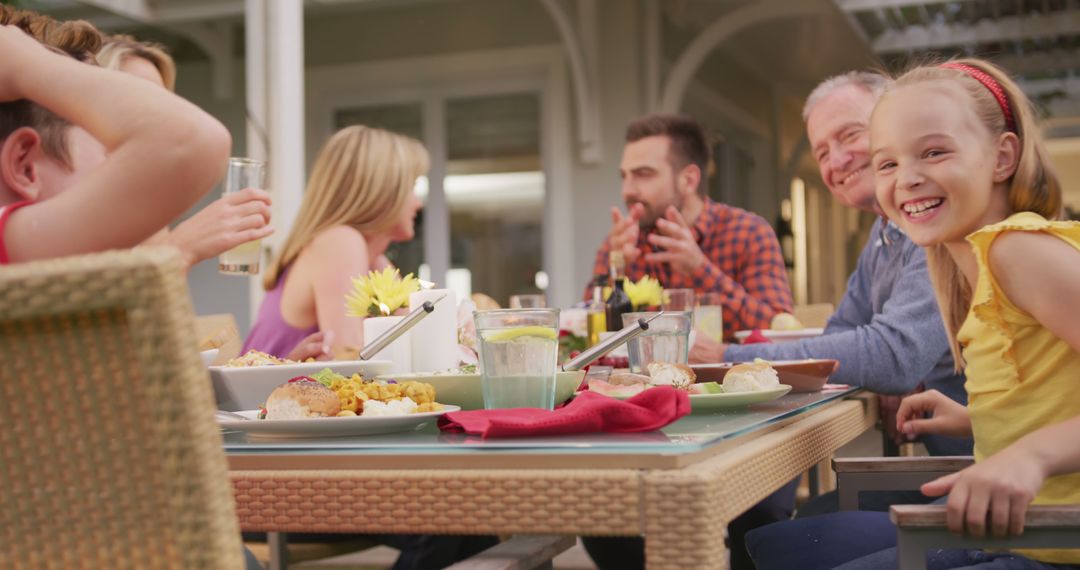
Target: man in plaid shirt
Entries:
(676, 234)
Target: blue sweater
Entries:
(887, 332)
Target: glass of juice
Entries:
(244, 258)
(519, 350)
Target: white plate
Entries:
(782, 336)
(247, 387)
(330, 427)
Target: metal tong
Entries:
(382, 341)
(607, 345)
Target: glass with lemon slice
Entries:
(518, 353)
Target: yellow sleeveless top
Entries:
(1020, 377)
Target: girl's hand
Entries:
(237, 218)
(947, 416)
(997, 490)
(315, 345)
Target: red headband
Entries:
(991, 85)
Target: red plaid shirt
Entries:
(745, 266)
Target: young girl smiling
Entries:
(960, 166)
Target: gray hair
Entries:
(872, 82)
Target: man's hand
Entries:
(624, 232)
(676, 239)
(998, 489)
(706, 350)
(947, 416)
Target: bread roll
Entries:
(302, 399)
(751, 377)
(678, 376)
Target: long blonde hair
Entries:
(120, 47)
(1034, 186)
(362, 178)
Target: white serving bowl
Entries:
(247, 387)
(208, 356)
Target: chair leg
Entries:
(278, 543)
(910, 552)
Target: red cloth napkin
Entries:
(588, 412)
(756, 337)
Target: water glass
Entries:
(244, 258)
(667, 340)
(519, 350)
(678, 300)
(528, 301)
(709, 316)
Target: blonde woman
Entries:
(228, 221)
(358, 201)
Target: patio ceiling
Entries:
(1037, 41)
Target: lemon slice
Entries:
(518, 332)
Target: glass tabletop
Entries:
(690, 434)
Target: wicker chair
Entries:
(109, 453)
(922, 527)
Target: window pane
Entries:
(495, 192)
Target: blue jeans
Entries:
(956, 560)
(859, 540)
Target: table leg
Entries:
(278, 544)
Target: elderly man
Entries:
(675, 233)
(887, 332)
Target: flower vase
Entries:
(399, 352)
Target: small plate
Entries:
(802, 375)
(704, 403)
(247, 387)
(330, 427)
(782, 336)
(464, 389)
(716, 402)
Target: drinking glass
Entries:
(709, 316)
(678, 300)
(518, 353)
(244, 258)
(667, 340)
(537, 301)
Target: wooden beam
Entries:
(921, 38)
(866, 5)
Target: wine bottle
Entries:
(619, 302)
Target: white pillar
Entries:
(286, 117)
(255, 101)
(436, 210)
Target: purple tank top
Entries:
(270, 333)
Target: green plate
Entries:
(707, 403)
(704, 403)
(464, 389)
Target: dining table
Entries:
(678, 487)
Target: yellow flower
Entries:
(647, 292)
(380, 293)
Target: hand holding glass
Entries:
(244, 258)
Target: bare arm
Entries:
(335, 257)
(163, 153)
(1040, 274)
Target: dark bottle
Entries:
(619, 302)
